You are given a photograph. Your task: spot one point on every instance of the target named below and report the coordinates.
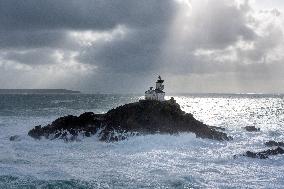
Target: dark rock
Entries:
(143, 117)
(15, 138)
(251, 128)
(37, 132)
(264, 154)
(87, 134)
(38, 127)
(217, 128)
(274, 143)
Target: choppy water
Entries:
(153, 161)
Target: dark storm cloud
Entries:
(136, 52)
(82, 15)
(31, 39)
(32, 57)
(214, 25)
(92, 43)
(41, 23)
(36, 23)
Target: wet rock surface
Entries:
(251, 129)
(274, 143)
(15, 138)
(264, 154)
(217, 128)
(139, 118)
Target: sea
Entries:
(150, 161)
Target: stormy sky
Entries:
(121, 46)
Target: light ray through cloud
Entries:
(198, 45)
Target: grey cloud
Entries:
(215, 25)
(274, 12)
(32, 57)
(32, 30)
(263, 45)
(41, 23)
(31, 39)
(220, 24)
(136, 52)
(81, 15)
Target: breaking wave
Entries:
(149, 161)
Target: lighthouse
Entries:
(158, 93)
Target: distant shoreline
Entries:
(38, 91)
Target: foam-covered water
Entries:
(152, 161)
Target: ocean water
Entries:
(152, 161)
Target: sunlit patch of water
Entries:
(153, 161)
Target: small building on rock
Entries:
(158, 93)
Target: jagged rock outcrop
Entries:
(251, 129)
(274, 143)
(217, 128)
(143, 117)
(264, 154)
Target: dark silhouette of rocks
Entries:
(15, 138)
(251, 129)
(217, 128)
(264, 154)
(38, 91)
(272, 143)
(139, 118)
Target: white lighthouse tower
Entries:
(158, 93)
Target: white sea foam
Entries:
(153, 161)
